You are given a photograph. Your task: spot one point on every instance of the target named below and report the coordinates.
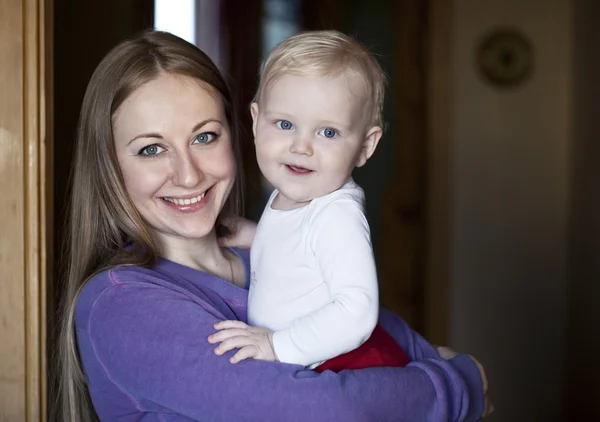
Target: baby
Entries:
(313, 296)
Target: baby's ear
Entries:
(369, 145)
(254, 113)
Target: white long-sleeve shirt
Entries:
(313, 279)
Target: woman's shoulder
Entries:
(118, 275)
(113, 282)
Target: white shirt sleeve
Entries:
(340, 240)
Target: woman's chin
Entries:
(194, 233)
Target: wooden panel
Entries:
(401, 259)
(12, 264)
(414, 262)
(22, 220)
(37, 178)
(437, 291)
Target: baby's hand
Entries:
(238, 232)
(253, 342)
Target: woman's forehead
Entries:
(169, 98)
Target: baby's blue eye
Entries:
(205, 137)
(284, 124)
(328, 133)
(151, 150)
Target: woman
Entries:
(155, 169)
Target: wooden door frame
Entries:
(27, 171)
(38, 196)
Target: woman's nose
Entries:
(186, 171)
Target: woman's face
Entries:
(173, 145)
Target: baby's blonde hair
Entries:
(326, 53)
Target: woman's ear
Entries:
(254, 113)
(369, 145)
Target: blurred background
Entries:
(483, 194)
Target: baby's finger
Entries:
(223, 335)
(230, 323)
(244, 353)
(232, 343)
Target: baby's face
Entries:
(310, 133)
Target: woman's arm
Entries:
(419, 349)
(415, 346)
(150, 342)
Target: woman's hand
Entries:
(239, 232)
(253, 342)
(447, 353)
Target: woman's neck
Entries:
(203, 254)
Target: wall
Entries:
(583, 390)
(510, 175)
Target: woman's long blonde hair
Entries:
(102, 217)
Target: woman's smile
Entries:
(187, 203)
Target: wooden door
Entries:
(25, 172)
(401, 257)
(414, 248)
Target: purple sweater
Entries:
(142, 336)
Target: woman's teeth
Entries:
(187, 201)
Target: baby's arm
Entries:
(340, 240)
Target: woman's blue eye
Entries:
(205, 137)
(328, 133)
(151, 150)
(284, 124)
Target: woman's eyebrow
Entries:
(197, 127)
(146, 135)
(204, 122)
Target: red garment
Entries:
(379, 350)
